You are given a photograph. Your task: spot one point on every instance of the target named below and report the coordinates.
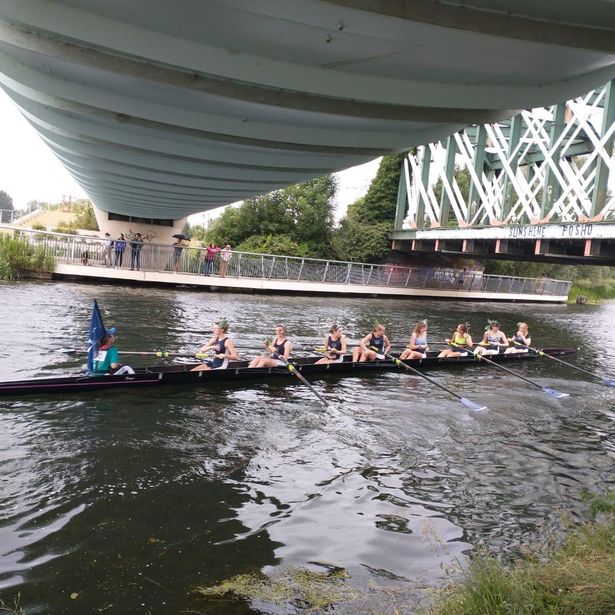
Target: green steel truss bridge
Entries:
(535, 187)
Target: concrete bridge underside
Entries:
(160, 109)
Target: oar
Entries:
(149, 353)
(468, 403)
(608, 381)
(291, 368)
(547, 390)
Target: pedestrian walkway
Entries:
(81, 257)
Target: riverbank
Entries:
(595, 294)
(578, 577)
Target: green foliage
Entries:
(380, 202)
(281, 245)
(84, 216)
(199, 233)
(18, 258)
(595, 282)
(67, 229)
(576, 579)
(362, 235)
(361, 243)
(530, 270)
(314, 590)
(37, 226)
(463, 179)
(303, 213)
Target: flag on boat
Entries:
(97, 330)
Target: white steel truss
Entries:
(547, 165)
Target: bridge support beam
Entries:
(513, 156)
(478, 163)
(599, 192)
(449, 172)
(551, 187)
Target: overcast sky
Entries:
(30, 172)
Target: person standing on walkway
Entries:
(461, 278)
(119, 247)
(108, 257)
(210, 255)
(136, 243)
(178, 248)
(225, 257)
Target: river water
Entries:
(125, 502)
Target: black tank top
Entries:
(337, 344)
(279, 348)
(377, 343)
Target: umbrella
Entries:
(179, 236)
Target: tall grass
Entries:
(19, 259)
(576, 579)
(594, 289)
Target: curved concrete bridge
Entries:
(162, 109)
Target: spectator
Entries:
(119, 247)
(461, 278)
(136, 243)
(108, 257)
(178, 247)
(210, 255)
(225, 257)
(85, 254)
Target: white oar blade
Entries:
(468, 403)
(609, 382)
(555, 393)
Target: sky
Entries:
(30, 172)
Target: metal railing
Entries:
(93, 251)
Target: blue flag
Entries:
(97, 330)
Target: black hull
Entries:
(181, 374)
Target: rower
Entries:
(417, 346)
(493, 340)
(280, 349)
(107, 359)
(521, 341)
(222, 346)
(376, 339)
(460, 343)
(335, 346)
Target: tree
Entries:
(281, 245)
(362, 235)
(362, 243)
(380, 202)
(84, 216)
(303, 213)
(6, 207)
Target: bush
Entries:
(39, 227)
(281, 245)
(18, 258)
(576, 579)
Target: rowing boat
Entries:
(181, 374)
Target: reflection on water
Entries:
(124, 502)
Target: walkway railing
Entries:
(90, 251)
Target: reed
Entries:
(19, 259)
(576, 578)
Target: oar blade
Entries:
(609, 382)
(555, 393)
(468, 403)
